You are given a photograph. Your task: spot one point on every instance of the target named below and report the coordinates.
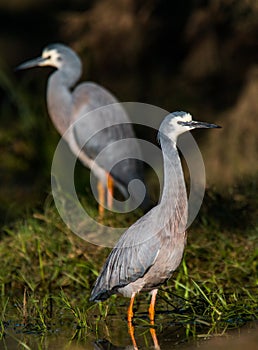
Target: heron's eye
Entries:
(59, 59)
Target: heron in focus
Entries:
(88, 137)
(151, 249)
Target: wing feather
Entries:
(129, 260)
(109, 124)
(102, 127)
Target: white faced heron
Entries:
(151, 249)
(100, 130)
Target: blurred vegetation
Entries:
(199, 56)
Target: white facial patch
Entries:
(177, 123)
(187, 117)
(180, 117)
(52, 58)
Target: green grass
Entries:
(47, 273)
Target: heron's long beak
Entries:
(32, 63)
(195, 124)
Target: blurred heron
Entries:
(67, 108)
(151, 249)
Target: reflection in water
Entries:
(113, 335)
(152, 332)
(103, 344)
(237, 339)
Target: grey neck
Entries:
(59, 101)
(173, 203)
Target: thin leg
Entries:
(152, 305)
(151, 315)
(130, 309)
(154, 339)
(131, 332)
(129, 319)
(110, 190)
(101, 194)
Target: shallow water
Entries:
(113, 334)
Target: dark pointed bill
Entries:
(195, 124)
(32, 63)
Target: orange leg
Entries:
(154, 339)
(152, 305)
(101, 194)
(131, 332)
(130, 309)
(129, 319)
(151, 315)
(110, 190)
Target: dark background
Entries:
(199, 56)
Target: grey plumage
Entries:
(150, 250)
(100, 129)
